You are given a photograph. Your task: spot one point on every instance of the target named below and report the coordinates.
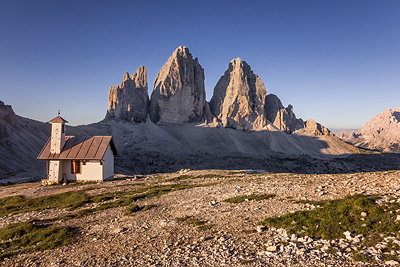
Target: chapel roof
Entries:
(80, 148)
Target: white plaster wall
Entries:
(54, 171)
(57, 138)
(66, 170)
(108, 164)
(91, 171)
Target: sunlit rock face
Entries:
(382, 132)
(178, 96)
(282, 118)
(313, 128)
(129, 101)
(239, 98)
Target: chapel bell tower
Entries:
(57, 134)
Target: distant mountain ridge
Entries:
(239, 100)
(240, 128)
(381, 132)
(20, 141)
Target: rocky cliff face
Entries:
(21, 140)
(239, 98)
(313, 128)
(129, 101)
(8, 120)
(178, 96)
(382, 132)
(282, 118)
(348, 136)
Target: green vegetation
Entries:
(135, 208)
(147, 207)
(366, 151)
(185, 177)
(131, 209)
(19, 204)
(243, 262)
(36, 235)
(74, 199)
(334, 217)
(249, 231)
(331, 251)
(240, 199)
(201, 225)
(28, 237)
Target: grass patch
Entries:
(362, 257)
(19, 204)
(131, 209)
(185, 177)
(331, 251)
(180, 178)
(244, 262)
(72, 199)
(28, 237)
(249, 231)
(209, 176)
(333, 217)
(201, 225)
(147, 207)
(135, 208)
(240, 199)
(122, 199)
(39, 235)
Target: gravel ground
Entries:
(229, 236)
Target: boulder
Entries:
(239, 98)
(129, 101)
(178, 96)
(282, 118)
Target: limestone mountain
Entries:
(178, 96)
(185, 132)
(129, 101)
(239, 98)
(282, 118)
(381, 132)
(21, 139)
(313, 128)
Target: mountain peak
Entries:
(129, 101)
(178, 96)
(239, 98)
(381, 132)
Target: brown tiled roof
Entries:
(82, 147)
(58, 119)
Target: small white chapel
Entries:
(72, 158)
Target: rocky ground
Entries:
(196, 227)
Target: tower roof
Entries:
(58, 119)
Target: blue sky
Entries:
(336, 62)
